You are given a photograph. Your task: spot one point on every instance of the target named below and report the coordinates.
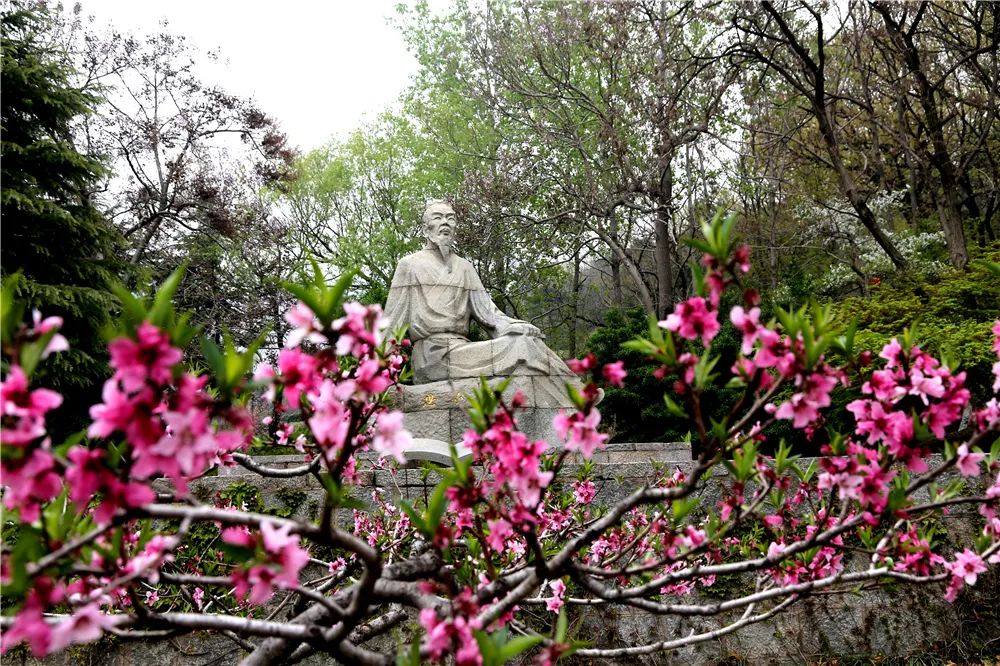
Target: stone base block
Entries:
(547, 392)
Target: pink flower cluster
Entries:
(910, 380)
(514, 461)
(964, 570)
(279, 560)
(334, 392)
(693, 319)
(172, 424)
(453, 635)
(861, 476)
(85, 624)
(28, 470)
(988, 418)
(813, 394)
(717, 276)
(579, 431)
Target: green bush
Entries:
(952, 316)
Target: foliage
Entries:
(354, 204)
(187, 161)
(951, 315)
(502, 533)
(65, 254)
(642, 390)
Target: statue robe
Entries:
(437, 300)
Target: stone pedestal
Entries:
(437, 410)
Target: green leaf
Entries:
(562, 624)
(436, 506)
(162, 310)
(682, 507)
(133, 311)
(214, 358)
(516, 646)
(11, 308)
(333, 298)
(673, 407)
(410, 657)
(416, 519)
(487, 648)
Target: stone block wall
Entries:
(890, 624)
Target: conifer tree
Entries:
(65, 252)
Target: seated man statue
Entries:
(437, 293)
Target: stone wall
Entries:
(891, 624)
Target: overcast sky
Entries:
(317, 67)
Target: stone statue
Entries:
(437, 293)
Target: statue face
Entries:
(439, 224)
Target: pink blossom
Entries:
(360, 329)
(748, 324)
(149, 357)
(198, 596)
(500, 532)
(614, 373)
(968, 461)
(276, 539)
(584, 491)
(30, 624)
(57, 343)
(555, 602)
(579, 431)
(924, 386)
(988, 418)
(284, 559)
(582, 365)
(390, 436)
(437, 640)
(799, 409)
(152, 557)
(305, 326)
(516, 461)
(892, 353)
(299, 372)
(884, 385)
(239, 536)
(337, 566)
(964, 570)
(23, 411)
(370, 379)
(872, 419)
(86, 624)
(330, 421)
(692, 319)
(30, 482)
(89, 475)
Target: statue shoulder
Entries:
(409, 261)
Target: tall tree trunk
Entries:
(664, 247)
(950, 207)
(574, 303)
(617, 297)
(645, 297)
(850, 189)
(821, 105)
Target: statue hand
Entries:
(523, 328)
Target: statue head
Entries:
(439, 223)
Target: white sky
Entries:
(318, 67)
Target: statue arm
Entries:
(485, 311)
(397, 303)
